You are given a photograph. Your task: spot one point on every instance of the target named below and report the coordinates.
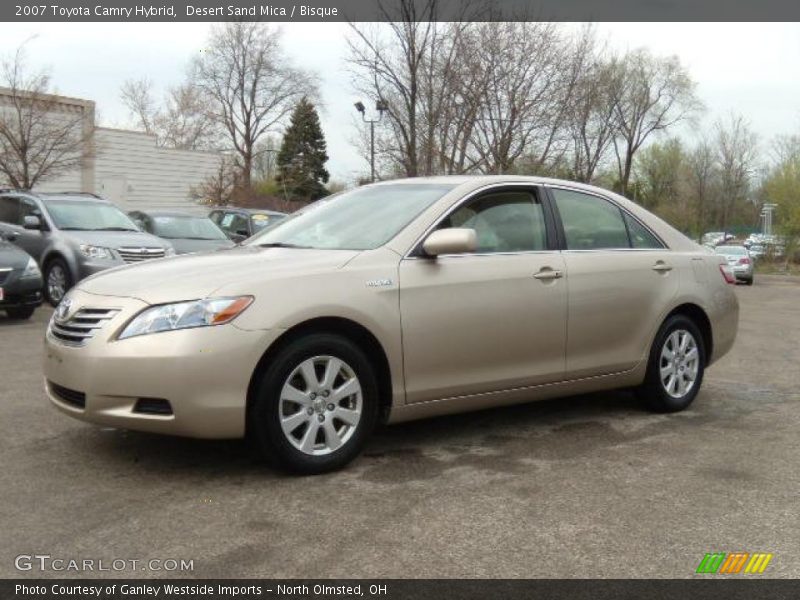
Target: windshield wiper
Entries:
(75, 229)
(114, 229)
(281, 245)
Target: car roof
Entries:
(168, 213)
(73, 197)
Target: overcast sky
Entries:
(748, 69)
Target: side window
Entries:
(239, 224)
(503, 222)
(640, 236)
(226, 221)
(9, 210)
(590, 223)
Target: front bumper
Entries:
(19, 292)
(203, 374)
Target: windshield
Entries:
(362, 219)
(180, 227)
(83, 215)
(260, 221)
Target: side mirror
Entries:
(238, 238)
(454, 240)
(32, 222)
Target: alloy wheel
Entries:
(679, 363)
(56, 283)
(320, 405)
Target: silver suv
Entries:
(73, 235)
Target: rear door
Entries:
(490, 320)
(621, 278)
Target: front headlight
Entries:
(95, 252)
(31, 270)
(183, 315)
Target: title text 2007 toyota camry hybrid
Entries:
(391, 302)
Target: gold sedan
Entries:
(395, 301)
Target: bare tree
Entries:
(592, 120)
(388, 62)
(218, 189)
(183, 120)
(40, 138)
(736, 156)
(702, 178)
(651, 94)
(251, 85)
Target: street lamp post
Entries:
(381, 107)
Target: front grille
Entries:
(4, 273)
(133, 255)
(81, 326)
(71, 397)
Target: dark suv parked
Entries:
(241, 223)
(73, 235)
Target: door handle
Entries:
(662, 267)
(548, 273)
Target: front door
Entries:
(490, 320)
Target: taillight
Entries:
(744, 261)
(727, 273)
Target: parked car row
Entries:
(760, 246)
(73, 235)
(715, 238)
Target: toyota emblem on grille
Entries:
(62, 312)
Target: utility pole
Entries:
(381, 107)
(766, 214)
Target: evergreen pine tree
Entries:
(302, 157)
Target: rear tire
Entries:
(676, 366)
(749, 281)
(57, 281)
(23, 312)
(315, 405)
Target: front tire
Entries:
(57, 281)
(676, 366)
(315, 405)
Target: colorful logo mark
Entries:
(734, 562)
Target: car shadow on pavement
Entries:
(508, 437)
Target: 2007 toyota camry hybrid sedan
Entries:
(391, 302)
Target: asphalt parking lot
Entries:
(588, 486)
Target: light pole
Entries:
(766, 214)
(381, 107)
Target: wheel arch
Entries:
(699, 318)
(55, 253)
(347, 328)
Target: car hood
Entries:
(186, 245)
(116, 239)
(12, 257)
(193, 276)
